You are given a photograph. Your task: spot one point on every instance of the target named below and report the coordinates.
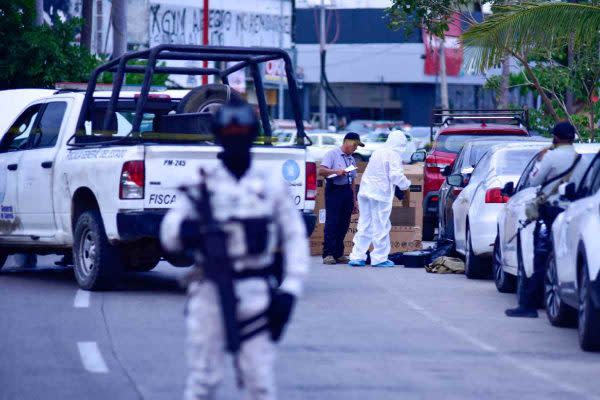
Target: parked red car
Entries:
(454, 129)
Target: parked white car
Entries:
(477, 207)
(421, 135)
(377, 139)
(322, 142)
(572, 287)
(513, 249)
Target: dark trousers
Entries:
(531, 292)
(339, 202)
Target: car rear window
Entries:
(454, 143)
(513, 162)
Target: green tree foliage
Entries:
(39, 56)
(433, 15)
(536, 35)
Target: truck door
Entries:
(12, 148)
(36, 167)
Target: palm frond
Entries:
(528, 26)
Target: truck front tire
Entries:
(98, 264)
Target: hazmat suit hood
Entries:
(384, 170)
(397, 141)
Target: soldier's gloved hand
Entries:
(189, 233)
(279, 313)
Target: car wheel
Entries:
(428, 228)
(589, 316)
(505, 283)
(475, 267)
(98, 264)
(559, 313)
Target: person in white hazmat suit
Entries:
(384, 172)
(254, 207)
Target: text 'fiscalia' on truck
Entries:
(92, 174)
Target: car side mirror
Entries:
(455, 180)
(567, 190)
(447, 171)
(418, 156)
(508, 189)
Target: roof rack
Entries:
(441, 117)
(444, 117)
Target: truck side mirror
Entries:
(447, 170)
(418, 156)
(455, 180)
(508, 189)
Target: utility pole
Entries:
(280, 99)
(322, 95)
(119, 23)
(39, 12)
(205, 38)
(87, 13)
(443, 78)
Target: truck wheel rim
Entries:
(88, 252)
(551, 286)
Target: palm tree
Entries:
(522, 29)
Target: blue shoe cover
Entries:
(357, 263)
(386, 263)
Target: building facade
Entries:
(377, 73)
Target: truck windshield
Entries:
(454, 143)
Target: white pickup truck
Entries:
(92, 174)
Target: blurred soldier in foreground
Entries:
(234, 219)
(553, 167)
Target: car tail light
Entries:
(132, 180)
(311, 181)
(494, 195)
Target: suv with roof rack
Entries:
(92, 174)
(454, 129)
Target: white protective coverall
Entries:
(259, 193)
(375, 197)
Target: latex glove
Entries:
(399, 193)
(279, 313)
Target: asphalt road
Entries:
(357, 334)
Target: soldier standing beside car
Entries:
(553, 164)
(340, 197)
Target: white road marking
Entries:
(464, 335)
(92, 358)
(82, 299)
